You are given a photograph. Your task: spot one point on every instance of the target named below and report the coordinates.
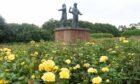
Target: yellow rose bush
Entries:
(106, 61)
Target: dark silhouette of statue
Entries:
(64, 16)
(75, 13)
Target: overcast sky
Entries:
(116, 12)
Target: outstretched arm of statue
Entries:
(60, 9)
(80, 13)
(70, 10)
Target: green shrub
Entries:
(102, 35)
(81, 62)
(135, 32)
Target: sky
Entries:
(115, 12)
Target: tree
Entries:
(26, 32)
(49, 27)
(5, 32)
(2, 27)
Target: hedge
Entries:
(101, 35)
(128, 33)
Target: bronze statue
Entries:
(64, 16)
(75, 13)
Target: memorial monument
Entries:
(73, 33)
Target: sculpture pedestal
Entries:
(70, 35)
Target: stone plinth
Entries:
(69, 35)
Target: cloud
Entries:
(116, 12)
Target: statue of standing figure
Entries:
(75, 13)
(64, 16)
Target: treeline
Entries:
(25, 32)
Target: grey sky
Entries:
(116, 12)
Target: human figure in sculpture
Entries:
(75, 13)
(64, 15)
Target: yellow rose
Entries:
(103, 59)
(133, 54)
(7, 70)
(22, 63)
(110, 49)
(56, 67)
(41, 67)
(105, 69)
(97, 80)
(49, 65)
(113, 51)
(65, 69)
(86, 65)
(77, 66)
(0, 49)
(32, 42)
(63, 43)
(68, 61)
(8, 53)
(65, 73)
(107, 81)
(48, 77)
(6, 50)
(92, 70)
(125, 41)
(116, 47)
(34, 54)
(89, 43)
(3, 82)
(122, 38)
(10, 57)
(43, 60)
(33, 76)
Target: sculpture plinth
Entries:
(69, 35)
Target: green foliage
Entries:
(100, 28)
(135, 32)
(49, 26)
(106, 28)
(101, 35)
(26, 32)
(5, 32)
(123, 61)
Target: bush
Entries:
(135, 32)
(116, 62)
(102, 35)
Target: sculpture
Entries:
(75, 13)
(64, 15)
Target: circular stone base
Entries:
(72, 34)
